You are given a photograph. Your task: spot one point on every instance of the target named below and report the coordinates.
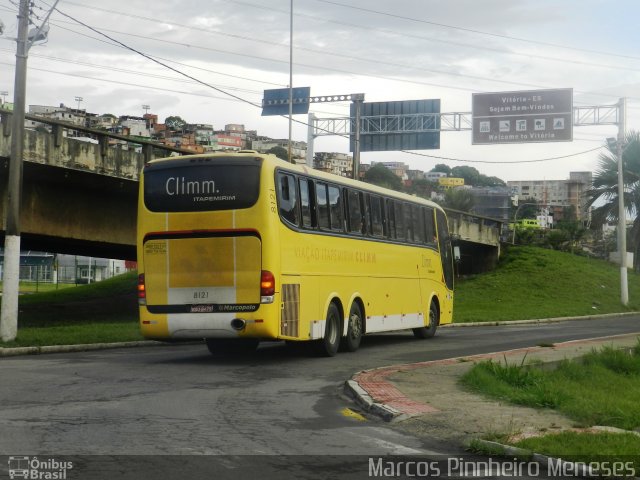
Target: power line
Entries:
(441, 40)
(157, 61)
(369, 29)
(503, 161)
(480, 32)
(262, 82)
(128, 84)
(132, 72)
(303, 123)
(349, 57)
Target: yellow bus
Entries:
(238, 248)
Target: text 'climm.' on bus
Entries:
(244, 247)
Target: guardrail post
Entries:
(148, 152)
(103, 142)
(57, 135)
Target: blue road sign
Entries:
(276, 101)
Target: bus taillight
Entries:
(267, 286)
(142, 293)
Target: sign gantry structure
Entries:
(528, 116)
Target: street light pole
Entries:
(515, 218)
(11, 270)
(289, 154)
(622, 224)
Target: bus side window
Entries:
(418, 223)
(366, 220)
(377, 229)
(430, 229)
(355, 213)
(391, 220)
(408, 224)
(288, 199)
(322, 205)
(305, 203)
(399, 215)
(335, 204)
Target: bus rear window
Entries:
(178, 186)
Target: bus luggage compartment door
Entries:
(203, 274)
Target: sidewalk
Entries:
(426, 400)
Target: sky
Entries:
(232, 50)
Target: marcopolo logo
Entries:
(40, 469)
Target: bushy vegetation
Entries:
(611, 376)
(532, 282)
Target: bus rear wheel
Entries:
(430, 330)
(355, 329)
(231, 346)
(328, 346)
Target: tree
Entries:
(605, 189)
(383, 177)
(526, 208)
(492, 181)
(442, 168)
(459, 199)
(422, 188)
(174, 122)
(471, 175)
(574, 231)
(279, 152)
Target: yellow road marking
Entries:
(347, 412)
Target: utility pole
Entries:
(11, 271)
(358, 99)
(622, 223)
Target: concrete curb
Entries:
(575, 469)
(11, 352)
(362, 398)
(14, 351)
(365, 398)
(501, 323)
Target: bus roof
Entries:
(274, 162)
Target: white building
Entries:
(560, 193)
(137, 126)
(336, 163)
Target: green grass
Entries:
(589, 448)
(531, 283)
(612, 378)
(119, 285)
(99, 312)
(106, 332)
(36, 287)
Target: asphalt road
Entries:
(161, 408)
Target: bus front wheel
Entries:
(328, 345)
(430, 330)
(351, 342)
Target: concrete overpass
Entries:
(81, 198)
(478, 239)
(78, 197)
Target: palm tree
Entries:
(605, 189)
